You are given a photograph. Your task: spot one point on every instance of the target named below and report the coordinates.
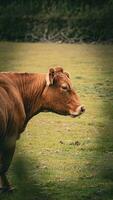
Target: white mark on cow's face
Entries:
(79, 111)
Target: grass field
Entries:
(57, 157)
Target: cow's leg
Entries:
(6, 156)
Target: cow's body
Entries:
(20, 99)
(24, 95)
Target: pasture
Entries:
(57, 157)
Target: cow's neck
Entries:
(32, 86)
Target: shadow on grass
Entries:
(28, 186)
(25, 173)
(103, 156)
(106, 134)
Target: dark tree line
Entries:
(77, 2)
(64, 20)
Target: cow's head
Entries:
(59, 95)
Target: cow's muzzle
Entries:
(80, 110)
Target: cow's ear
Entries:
(50, 76)
(66, 74)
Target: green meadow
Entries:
(58, 157)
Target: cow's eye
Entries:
(64, 87)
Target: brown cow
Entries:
(23, 95)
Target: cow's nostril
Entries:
(82, 109)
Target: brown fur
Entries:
(23, 95)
